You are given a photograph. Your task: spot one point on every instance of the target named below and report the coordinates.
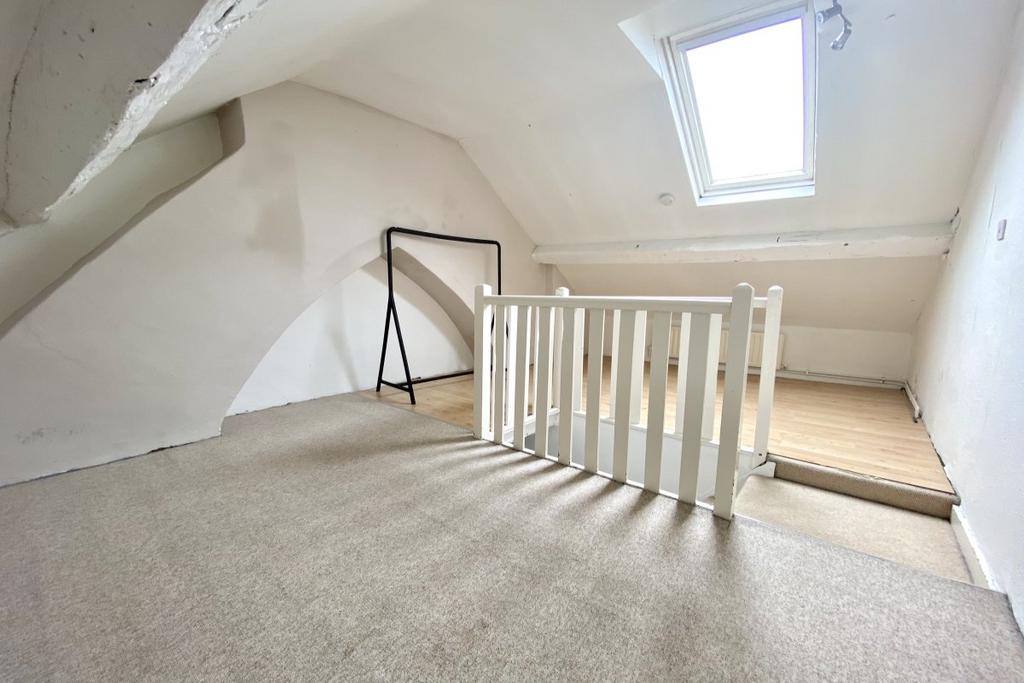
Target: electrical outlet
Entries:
(1001, 230)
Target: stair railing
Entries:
(507, 357)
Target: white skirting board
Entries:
(912, 397)
(976, 564)
(806, 376)
(838, 379)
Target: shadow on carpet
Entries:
(346, 538)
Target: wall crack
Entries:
(53, 349)
(10, 109)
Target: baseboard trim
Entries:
(912, 397)
(809, 376)
(975, 565)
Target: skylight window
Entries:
(744, 103)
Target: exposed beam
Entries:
(92, 76)
(898, 241)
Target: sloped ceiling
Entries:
(286, 38)
(574, 129)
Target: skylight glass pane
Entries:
(750, 100)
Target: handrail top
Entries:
(707, 304)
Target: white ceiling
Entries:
(574, 130)
(285, 38)
(573, 127)
(469, 68)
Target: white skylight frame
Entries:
(684, 106)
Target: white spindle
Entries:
(512, 323)
(612, 379)
(522, 399)
(481, 361)
(498, 423)
(569, 388)
(623, 387)
(536, 350)
(595, 368)
(543, 404)
(661, 326)
(681, 363)
(766, 382)
(636, 395)
(577, 376)
(503, 377)
(696, 378)
(556, 360)
(740, 315)
(711, 385)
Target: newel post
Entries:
(481, 361)
(766, 383)
(741, 313)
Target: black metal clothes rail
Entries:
(392, 312)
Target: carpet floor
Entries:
(343, 538)
(922, 541)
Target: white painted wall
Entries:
(333, 347)
(850, 354)
(968, 369)
(869, 354)
(148, 344)
(845, 316)
(32, 259)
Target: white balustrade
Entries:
(506, 328)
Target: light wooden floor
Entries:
(866, 430)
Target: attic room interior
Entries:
(461, 339)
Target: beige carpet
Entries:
(347, 539)
(913, 538)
